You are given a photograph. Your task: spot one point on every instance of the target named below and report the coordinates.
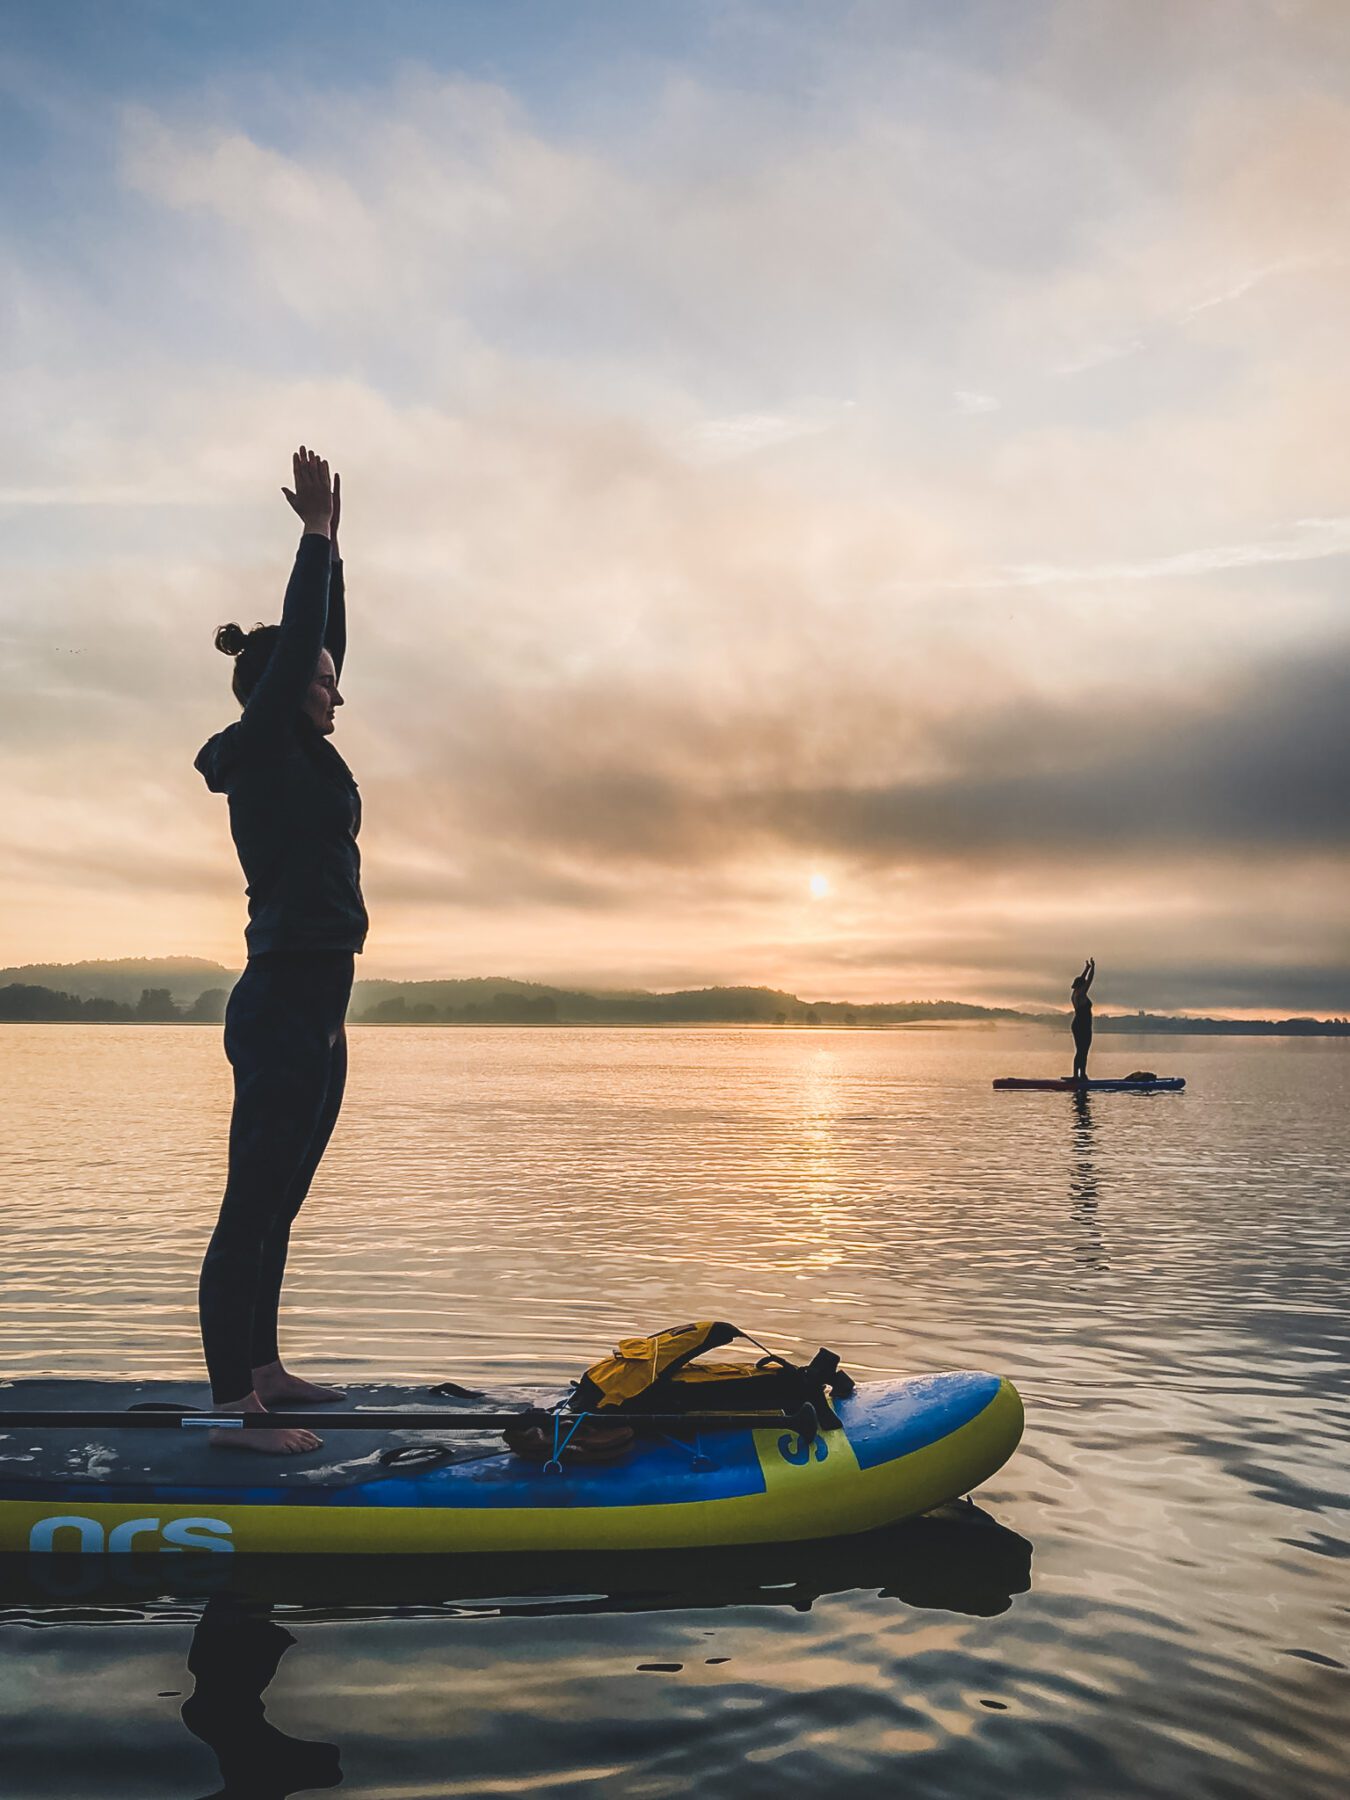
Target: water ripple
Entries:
(1163, 1277)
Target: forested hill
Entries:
(187, 988)
(124, 980)
(192, 990)
(524, 1002)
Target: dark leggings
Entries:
(286, 1040)
(1082, 1043)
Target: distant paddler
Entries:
(294, 815)
(1082, 1019)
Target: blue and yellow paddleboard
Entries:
(1065, 1084)
(901, 1448)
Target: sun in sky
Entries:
(819, 885)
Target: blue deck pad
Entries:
(655, 1473)
(889, 1420)
(180, 1469)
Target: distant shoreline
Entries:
(193, 991)
(1126, 1028)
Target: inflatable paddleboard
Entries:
(1065, 1084)
(901, 1448)
(957, 1559)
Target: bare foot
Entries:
(276, 1386)
(291, 1441)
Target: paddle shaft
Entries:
(377, 1419)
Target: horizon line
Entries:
(1030, 1010)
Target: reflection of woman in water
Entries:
(1089, 1251)
(1082, 1019)
(235, 1651)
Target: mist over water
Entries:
(1162, 1276)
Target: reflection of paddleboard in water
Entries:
(1065, 1084)
(957, 1559)
(101, 1485)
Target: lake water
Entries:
(1162, 1276)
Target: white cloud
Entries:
(1095, 356)
(967, 401)
(744, 433)
(106, 494)
(1243, 285)
(1311, 540)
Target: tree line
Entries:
(156, 1006)
(477, 1004)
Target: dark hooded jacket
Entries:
(294, 808)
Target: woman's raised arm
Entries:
(335, 636)
(304, 614)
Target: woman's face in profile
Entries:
(322, 697)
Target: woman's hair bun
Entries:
(231, 639)
(251, 650)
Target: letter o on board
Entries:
(43, 1535)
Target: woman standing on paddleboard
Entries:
(1082, 1019)
(294, 815)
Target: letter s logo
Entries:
(196, 1534)
(793, 1448)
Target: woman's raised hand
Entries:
(312, 496)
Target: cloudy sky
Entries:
(850, 497)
